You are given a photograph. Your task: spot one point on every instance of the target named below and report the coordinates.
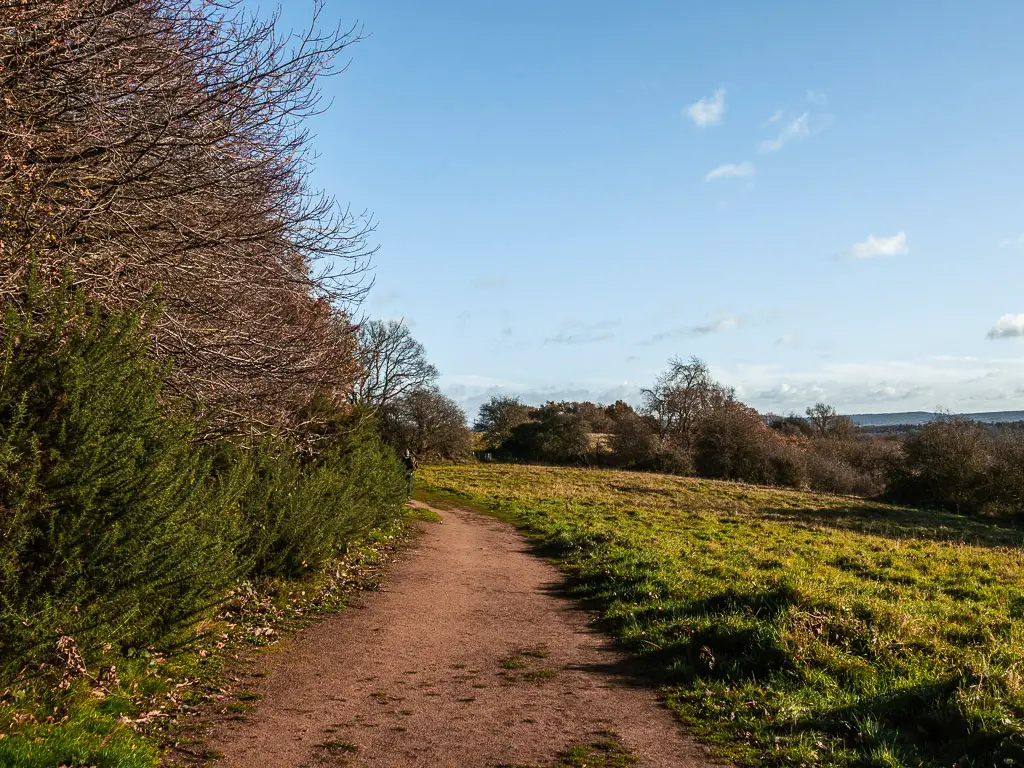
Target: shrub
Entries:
(112, 531)
(827, 471)
(301, 511)
(551, 435)
(733, 443)
(789, 464)
(633, 444)
(944, 465)
(791, 426)
(1003, 490)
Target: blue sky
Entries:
(824, 201)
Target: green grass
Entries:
(787, 628)
(89, 735)
(605, 752)
(126, 722)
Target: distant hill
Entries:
(923, 417)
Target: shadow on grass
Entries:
(901, 523)
(924, 722)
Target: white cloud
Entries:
(580, 337)
(816, 97)
(1007, 327)
(708, 111)
(577, 332)
(721, 325)
(731, 171)
(1012, 242)
(777, 115)
(797, 128)
(881, 246)
(964, 386)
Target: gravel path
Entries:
(468, 656)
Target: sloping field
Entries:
(790, 628)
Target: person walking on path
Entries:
(410, 466)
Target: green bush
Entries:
(111, 531)
(945, 465)
(733, 443)
(552, 435)
(300, 510)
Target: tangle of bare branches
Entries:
(158, 146)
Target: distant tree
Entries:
(944, 465)
(429, 424)
(498, 417)
(634, 444)
(791, 425)
(551, 435)
(680, 398)
(826, 422)
(394, 364)
(619, 411)
(595, 416)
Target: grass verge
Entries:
(137, 709)
(787, 628)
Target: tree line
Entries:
(189, 396)
(688, 423)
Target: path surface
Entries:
(467, 657)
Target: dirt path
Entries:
(467, 657)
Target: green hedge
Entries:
(117, 527)
(300, 511)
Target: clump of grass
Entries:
(790, 628)
(336, 745)
(604, 752)
(535, 675)
(90, 736)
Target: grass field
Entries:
(790, 628)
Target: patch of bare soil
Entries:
(468, 656)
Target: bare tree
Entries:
(499, 416)
(156, 146)
(826, 422)
(429, 424)
(393, 364)
(680, 398)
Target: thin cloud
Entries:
(1012, 242)
(575, 332)
(731, 171)
(896, 245)
(578, 338)
(708, 111)
(797, 129)
(1007, 327)
(816, 97)
(718, 326)
(722, 325)
(777, 115)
